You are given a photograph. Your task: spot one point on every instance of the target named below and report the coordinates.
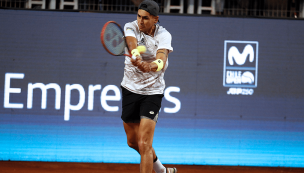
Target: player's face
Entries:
(145, 21)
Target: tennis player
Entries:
(143, 83)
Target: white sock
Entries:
(158, 167)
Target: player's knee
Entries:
(133, 144)
(144, 146)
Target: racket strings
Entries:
(114, 39)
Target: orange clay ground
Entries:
(61, 167)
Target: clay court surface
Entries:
(60, 167)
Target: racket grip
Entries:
(133, 57)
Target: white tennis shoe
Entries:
(171, 170)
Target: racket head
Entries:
(112, 38)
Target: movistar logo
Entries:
(240, 58)
(240, 66)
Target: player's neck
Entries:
(151, 32)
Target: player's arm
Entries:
(157, 65)
(131, 42)
(132, 45)
(161, 60)
(162, 53)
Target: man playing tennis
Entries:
(143, 83)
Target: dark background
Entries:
(65, 48)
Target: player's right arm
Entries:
(131, 41)
(132, 45)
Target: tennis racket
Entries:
(113, 39)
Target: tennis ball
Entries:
(141, 49)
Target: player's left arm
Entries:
(162, 54)
(157, 65)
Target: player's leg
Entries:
(130, 114)
(131, 130)
(145, 140)
(149, 109)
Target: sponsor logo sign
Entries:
(240, 67)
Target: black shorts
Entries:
(137, 106)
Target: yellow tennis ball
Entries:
(141, 49)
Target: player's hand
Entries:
(136, 61)
(144, 66)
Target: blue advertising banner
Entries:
(234, 91)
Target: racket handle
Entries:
(133, 57)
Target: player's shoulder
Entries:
(131, 24)
(162, 31)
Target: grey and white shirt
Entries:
(135, 80)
